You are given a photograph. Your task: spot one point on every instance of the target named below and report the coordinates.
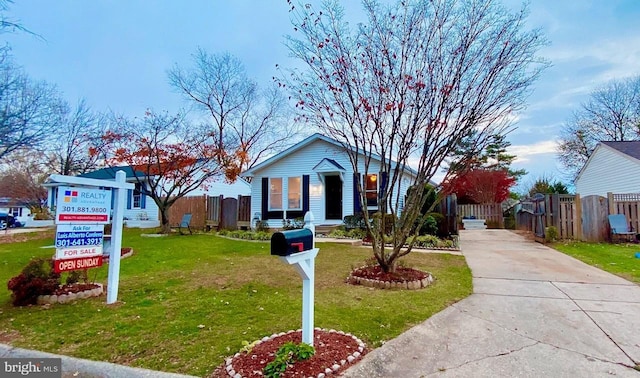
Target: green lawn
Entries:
(173, 286)
(618, 259)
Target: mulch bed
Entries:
(75, 288)
(402, 274)
(334, 352)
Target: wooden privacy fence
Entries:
(213, 212)
(491, 212)
(561, 211)
(627, 204)
(575, 217)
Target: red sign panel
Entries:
(84, 217)
(75, 264)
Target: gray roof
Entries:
(631, 148)
(109, 173)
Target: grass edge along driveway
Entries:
(187, 302)
(618, 259)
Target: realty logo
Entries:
(70, 196)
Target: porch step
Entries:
(325, 229)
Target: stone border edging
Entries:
(350, 359)
(403, 285)
(65, 298)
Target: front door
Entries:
(333, 197)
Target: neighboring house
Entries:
(18, 209)
(612, 167)
(138, 207)
(314, 175)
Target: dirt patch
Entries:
(7, 337)
(7, 238)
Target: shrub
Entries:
(288, 354)
(76, 276)
(355, 221)
(37, 278)
(292, 224)
(357, 233)
(262, 226)
(550, 234)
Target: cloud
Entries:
(525, 153)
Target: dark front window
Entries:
(137, 196)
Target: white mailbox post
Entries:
(120, 185)
(304, 262)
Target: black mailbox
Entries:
(288, 242)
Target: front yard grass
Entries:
(618, 259)
(187, 302)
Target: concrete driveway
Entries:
(535, 312)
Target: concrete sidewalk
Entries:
(534, 312)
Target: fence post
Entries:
(548, 211)
(577, 217)
(610, 203)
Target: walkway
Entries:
(534, 312)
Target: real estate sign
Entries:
(76, 264)
(78, 246)
(77, 205)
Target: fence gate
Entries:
(595, 225)
(229, 213)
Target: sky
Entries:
(115, 54)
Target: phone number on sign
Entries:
(83, 209)
(62, 243)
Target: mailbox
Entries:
(289, 242)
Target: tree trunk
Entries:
(165, 226)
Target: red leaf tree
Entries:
(480, 186)
(169, 156)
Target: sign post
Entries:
(116, 240)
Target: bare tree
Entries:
(78, 132)
(168, 157)
(22, 180)
(251, 122)
(28, 109)
(408, 85)
(612, 113)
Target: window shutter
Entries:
(143, 200)
(129, 195)
(265, 198)
(113, 197)
(383, 184)
(357, 206)
(305, 194)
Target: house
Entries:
(19, 209)
(612, 167)
(140, 209)
(316, 175)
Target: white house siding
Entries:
(609, 171)
(302, 162)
